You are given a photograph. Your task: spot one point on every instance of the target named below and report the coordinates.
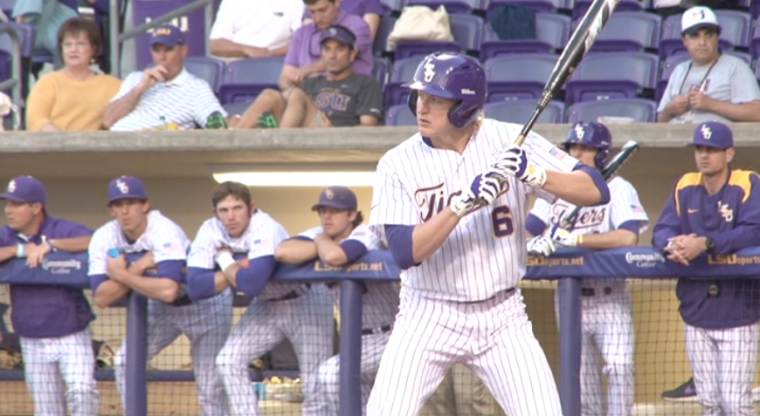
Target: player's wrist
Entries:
(224, 260)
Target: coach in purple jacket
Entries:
(716, 211)
(52, 321)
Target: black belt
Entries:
(383, 329)
(588, 291)
(291, 295)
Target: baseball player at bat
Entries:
(716, 211)
(300, 312)
(450, 201)
(607, 325)
(341, 239)
(51, 321)
(138, 229)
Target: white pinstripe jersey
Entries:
(186, 100)
(260, 239)
(162, 236)
(624, 206)
(380, 299)
(486, 252)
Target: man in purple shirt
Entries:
(304, 58)
(51, 321)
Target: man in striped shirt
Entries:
(163, 94)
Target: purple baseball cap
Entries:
(167, 35)
(339, 33)
(126, 187)
(713, 134)
(25, 189)
(338, 197)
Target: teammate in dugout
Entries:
(341, 239)
(716, 211)
(450, 201)
(607, 326)
(300, 312)
(207, 323)
(52, 321)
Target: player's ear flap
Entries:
(412, 101)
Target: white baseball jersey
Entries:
(486, 253)
(163, 237)
(624, 206)
(260, 239)
(380, 299)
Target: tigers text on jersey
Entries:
(260, 239)
(164, 238)
(380, 299)
(624, 206)
(485, 254)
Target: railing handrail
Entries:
(14, 83)
(117, 38)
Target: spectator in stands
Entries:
(46, 17)
(304, 58)
(371, 11)
(339, 98)
(74, 97)
(239, 33)
(710, 86)
(164, 94)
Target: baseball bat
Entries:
(579, 43)
(609, 171)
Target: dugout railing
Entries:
(567, 266)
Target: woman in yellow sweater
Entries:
(74, 97)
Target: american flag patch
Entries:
(557, 153)
(638, 209)
(256, 241)
(173, 246)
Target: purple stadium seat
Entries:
(245, 79)
(518, 76)
(26, 35)
(735, 32)
(380, 45)
(401, 72)
(754, 46)
(552, 32)
(629, 31)
(380, 71)
(192, 25)
(670, 63)
(467, 30)
(538, 6)
(208, 68)
(452, 6)
(7, 7)
(581, 6)
(609, 75)
(400, 115)
(393, 6)
(640, 110)
(519, 111)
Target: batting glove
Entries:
(514, 162)
(486, 187)
(563, 237)
(541, 246)
(463, 203)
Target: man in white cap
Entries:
(710, 86)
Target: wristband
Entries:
(20, 250)
(224, 260)
(580, 239)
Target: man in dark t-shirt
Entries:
(339, 98)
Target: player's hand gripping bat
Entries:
(579, 43)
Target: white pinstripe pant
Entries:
(494, 338)
(724, 363)
(207, 324)
(46, 360)
(329, 372)
(307, 321)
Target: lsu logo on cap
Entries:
(12, 186)
(329, 194)
(162, 31)
(122, 186)
(580, 131)
(706, 132)
(429, 71)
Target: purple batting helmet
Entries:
(451, 76)
(593, 134)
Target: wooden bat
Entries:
(579, 43)
(609, 172)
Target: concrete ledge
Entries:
(189, 153)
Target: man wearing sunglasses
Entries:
(341, 97)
